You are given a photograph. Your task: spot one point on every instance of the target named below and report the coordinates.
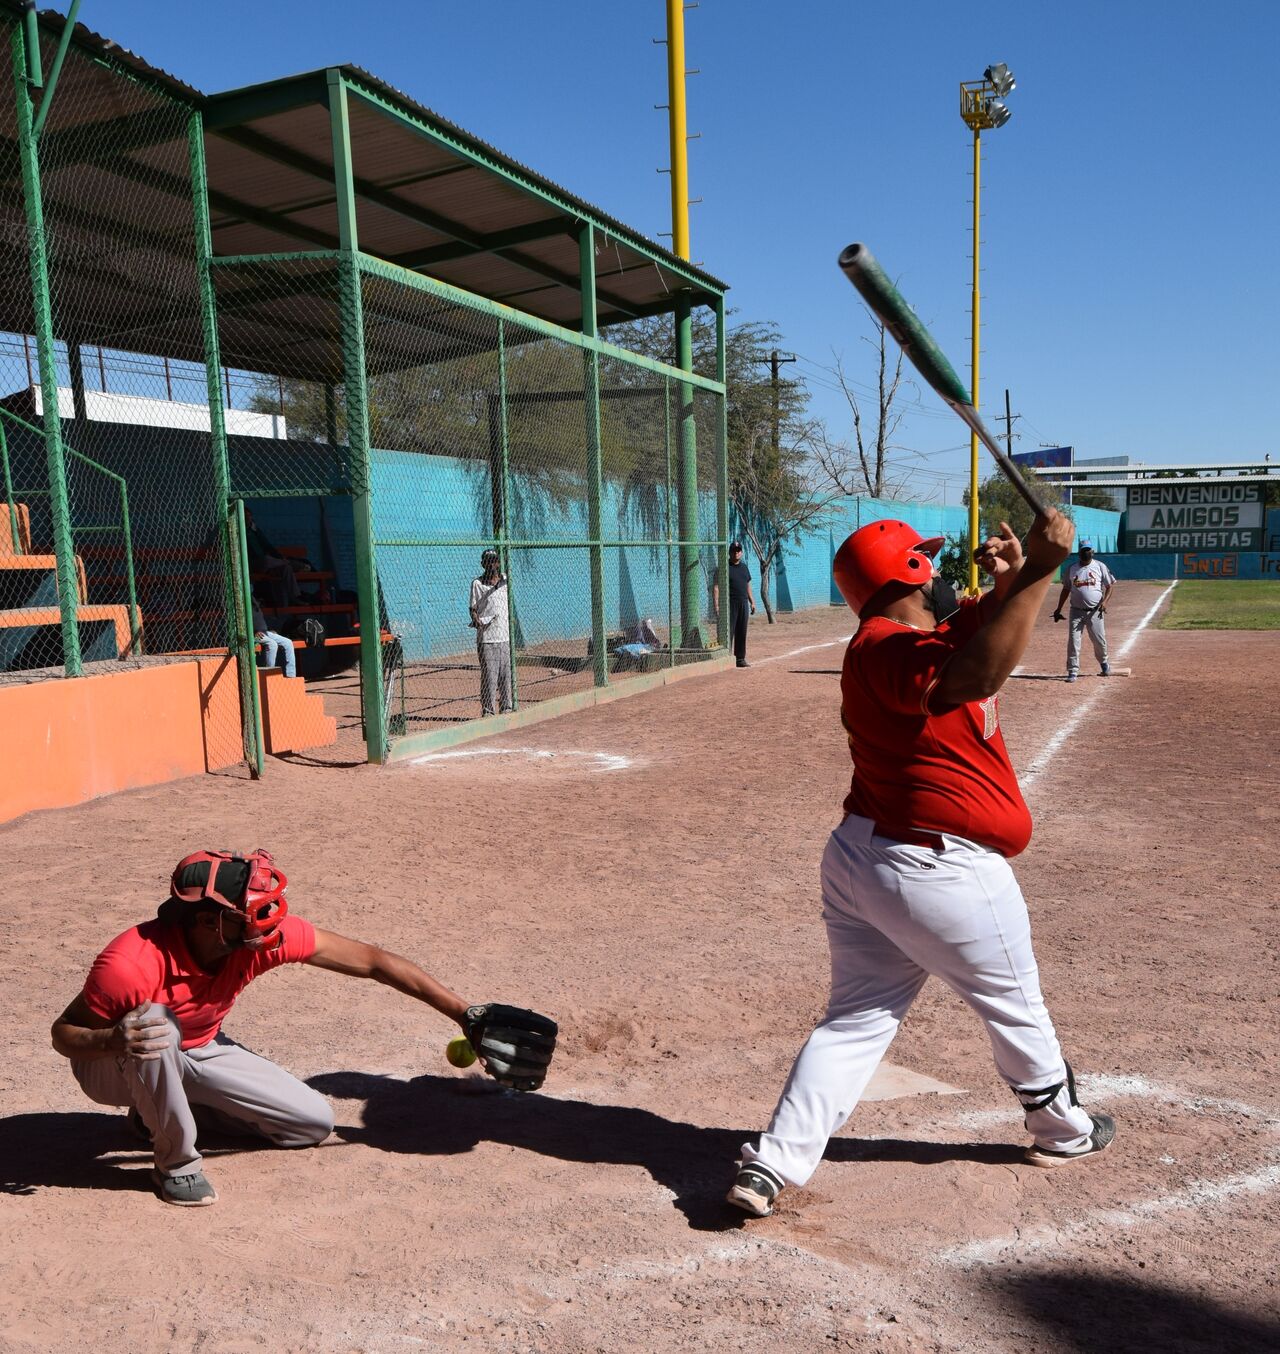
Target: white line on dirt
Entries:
(605, 761)
(1196, 1195)
(1045, 756)
(806, 648)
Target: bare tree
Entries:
(860, 467)
(779, 492)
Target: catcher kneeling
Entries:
(145, 1032)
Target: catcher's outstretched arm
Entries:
(341, 954)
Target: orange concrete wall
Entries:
(71, 739)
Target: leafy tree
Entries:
(999, 501)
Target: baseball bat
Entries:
(887, 304)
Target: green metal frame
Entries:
(59, 508)
(595, 468)
(722, 480)
(125, 529)
(244, 626)
(239, 637)
(513, 619)
(8, 493)
(687, 483)
(354, 379)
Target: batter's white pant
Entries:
(234, 1087)
(1081, 618)
(894, 915)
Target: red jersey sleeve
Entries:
(297, 944)
(123, 976)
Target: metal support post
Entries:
(673, 623)
(75, 361)
(351, 309)
(244, 612)
(238, 638)
(690, 562)
(513, 622)
(15, 534)
(722, 481)
(595, 470)
(59, 506)
(973, 338)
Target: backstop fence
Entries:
(404, 427)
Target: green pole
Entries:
(351, 307)
(8, 493)
(59, 507)
(690, 565)
(245, 627)
(595, 469)
(239, 638)
(126, 534)
(68, 28)
(722, 480)
(513, 627)
(673, 624)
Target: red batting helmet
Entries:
(880, 553)
(248, 884)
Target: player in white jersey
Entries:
(1088, 582)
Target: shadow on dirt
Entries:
(432, 1116)
(1091, 1312)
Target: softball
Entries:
(459, 1052)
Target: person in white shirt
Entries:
(490, 616)
(1088, 582)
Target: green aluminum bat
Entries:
(860, 267)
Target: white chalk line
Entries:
(1045, 756)
(1198, 1195)
(604, 761)
(804, 648)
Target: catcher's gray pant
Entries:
(895, 914)
(233, 1087)
(1083, 618)
(495, 677)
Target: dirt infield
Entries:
(646, 872)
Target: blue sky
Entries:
(1130, 274)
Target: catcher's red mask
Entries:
(249, 885)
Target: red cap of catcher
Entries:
(880, 553)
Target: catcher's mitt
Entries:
(515, 1045)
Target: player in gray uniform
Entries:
(1089, 583)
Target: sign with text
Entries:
(1193, 515)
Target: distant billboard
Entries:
(1200, 515)
(1048, 458)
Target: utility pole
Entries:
(1008, 424)
(776, 360)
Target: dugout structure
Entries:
(423, 324)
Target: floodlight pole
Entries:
(980, 111)
(687, 485)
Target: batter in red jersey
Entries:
(916, 880)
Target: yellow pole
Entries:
(973, 437)
(679, 131)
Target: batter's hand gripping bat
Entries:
(860, 267)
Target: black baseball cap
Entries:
(735, 545)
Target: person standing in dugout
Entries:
(741, 602)
(916, 879)
(1088, 582)
(145, 1032)
(491, 617)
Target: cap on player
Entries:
(735, 545)
(1086, 545)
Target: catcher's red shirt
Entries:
(922, 767)
(151, 962)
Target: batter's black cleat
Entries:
(754, 1190)
(1104, 1130)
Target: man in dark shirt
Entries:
(741, 603)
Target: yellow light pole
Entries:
(982, 108)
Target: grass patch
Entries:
(1223, 604)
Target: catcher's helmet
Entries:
(250, 884)
(880, 553)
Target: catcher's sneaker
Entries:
(1106, 669)
(754, 1190)
(187, 1191)
(1104, 1130)
(1071, 676)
